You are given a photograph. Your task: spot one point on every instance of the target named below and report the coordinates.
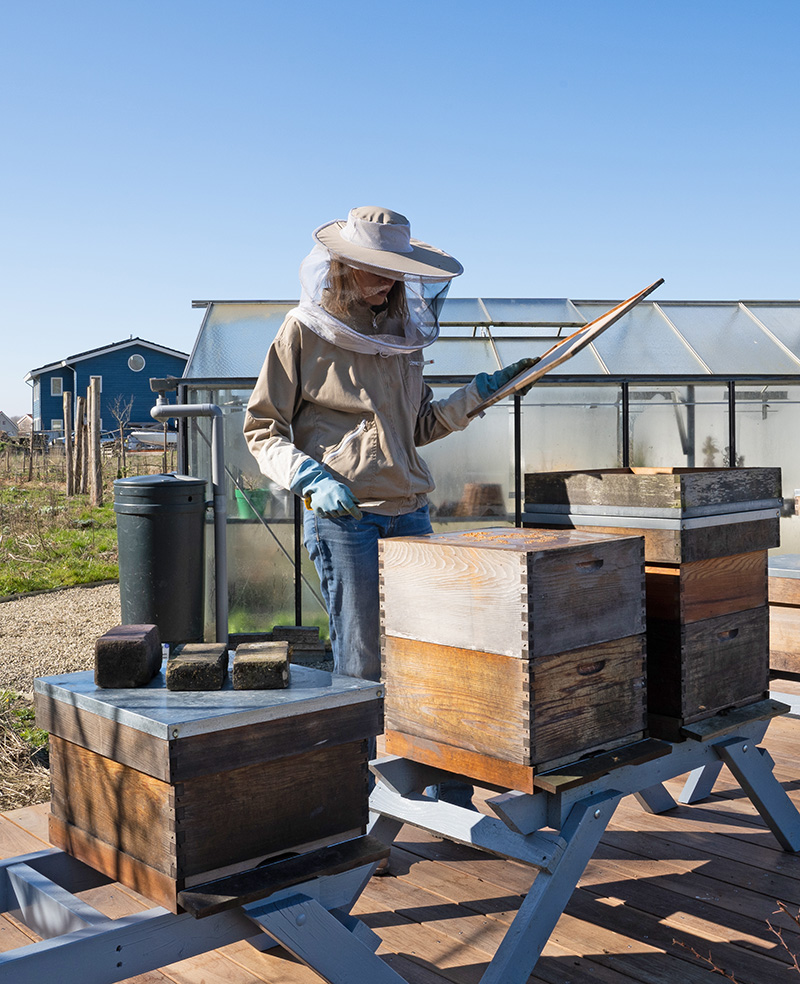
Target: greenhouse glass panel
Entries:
(642, 341)
(533, 311)
(768, 436)
(728, 340)
(260, 528)
(234, 339)
(783, 320)
(473, 470)
(462, 311)
(679, 426)
(567, 427)
(459, 357)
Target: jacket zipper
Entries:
(351, 436)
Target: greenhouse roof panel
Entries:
(463, 311)
(727, 339)
(720, 338)
(640, 340)
(234, 338)
(782, 320)
(531, 311)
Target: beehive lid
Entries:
(167, 714)
(654, 493)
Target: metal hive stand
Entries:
(557, 829)
(310, 918)
(304, 903)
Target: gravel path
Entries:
(53, 632)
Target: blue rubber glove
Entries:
(324, 494)
(490, 384)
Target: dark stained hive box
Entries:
(167, 790)
(507, 652)
(684, 514)
(707, 532)
(784, 613)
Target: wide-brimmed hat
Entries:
(379, 240)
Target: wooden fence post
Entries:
(80, 431)
(95, 465)
(70, 478)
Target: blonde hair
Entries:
(343, 294)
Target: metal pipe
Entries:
(163, 410)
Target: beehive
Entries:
(166, 790)
(706, 532)
(507, 651)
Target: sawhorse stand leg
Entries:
(557, 828)
(309, 917)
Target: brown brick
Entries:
(197, 666)
(261, 666)
(127, 656)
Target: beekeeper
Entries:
(340, 409)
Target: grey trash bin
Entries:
(161, 539)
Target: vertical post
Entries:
(691, 435)
(80, 427)
(95, 469)
(298, 559)
(626, 425)
(731, 424)
(517, 460)
(70, 478)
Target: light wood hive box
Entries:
(165, 790)
(507, 652)
(707, 532)
(784, 613)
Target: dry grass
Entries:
(24, 776)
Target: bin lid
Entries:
(157, 486)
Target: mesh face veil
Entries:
(354, 325)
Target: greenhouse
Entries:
(673, 383)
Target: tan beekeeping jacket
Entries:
(360, 416)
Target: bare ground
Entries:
(53, 632)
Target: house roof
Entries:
(93, 353)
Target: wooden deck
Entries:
(705, 877)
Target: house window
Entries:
(56, 425)
(56, 386)
(136, 362)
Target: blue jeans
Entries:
(345, 554)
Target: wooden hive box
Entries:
(507, 651)
(784, 613)
(707, 532)
(684, 514)
(166, 790)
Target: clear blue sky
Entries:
(160, 151)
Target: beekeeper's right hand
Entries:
(323, 494)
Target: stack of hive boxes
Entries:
(706, 533)
(507, 652)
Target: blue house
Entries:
(125, 369)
